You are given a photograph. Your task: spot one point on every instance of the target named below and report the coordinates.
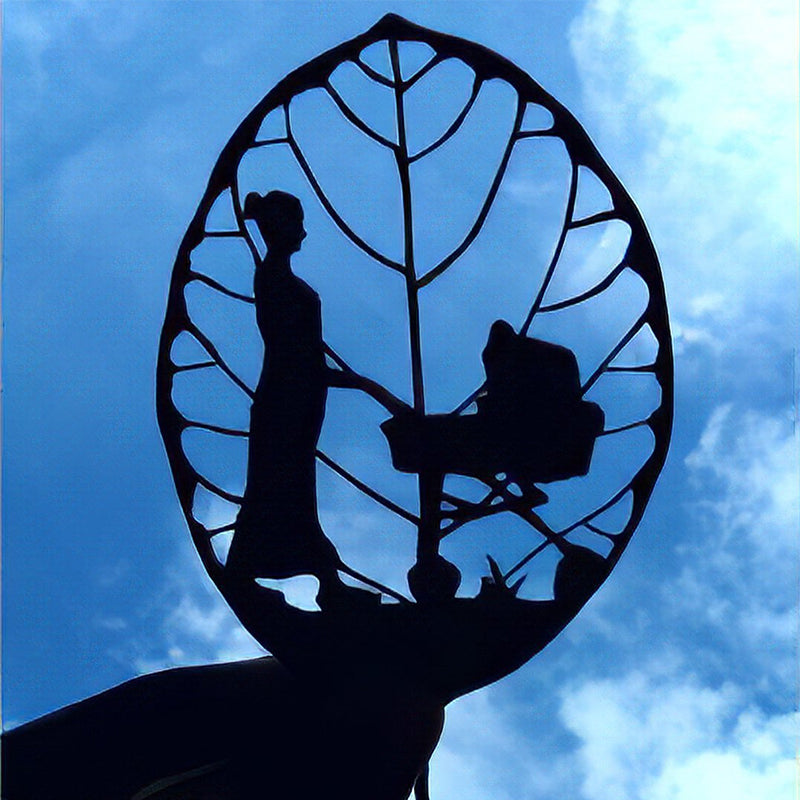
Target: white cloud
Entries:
(113, 624)
(198, 632)
(696, 105)
(195, 632)
(655, 735)
(740, 573)
(752, 459)
(187, 623)
(484, 754)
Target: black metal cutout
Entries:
(436, 521)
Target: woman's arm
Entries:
(349, 379)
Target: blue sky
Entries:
(678, 680)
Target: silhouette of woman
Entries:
(278, 534)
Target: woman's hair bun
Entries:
(251, 204)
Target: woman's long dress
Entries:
(277, 533)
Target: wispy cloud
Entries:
(484, 754)
(657, 734)
(745, 467)
(186, 622)
(697, 103)
(740, 573)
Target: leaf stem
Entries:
(430, 484)
(565, 227)
(401, 156)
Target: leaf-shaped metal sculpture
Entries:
(539, 461)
